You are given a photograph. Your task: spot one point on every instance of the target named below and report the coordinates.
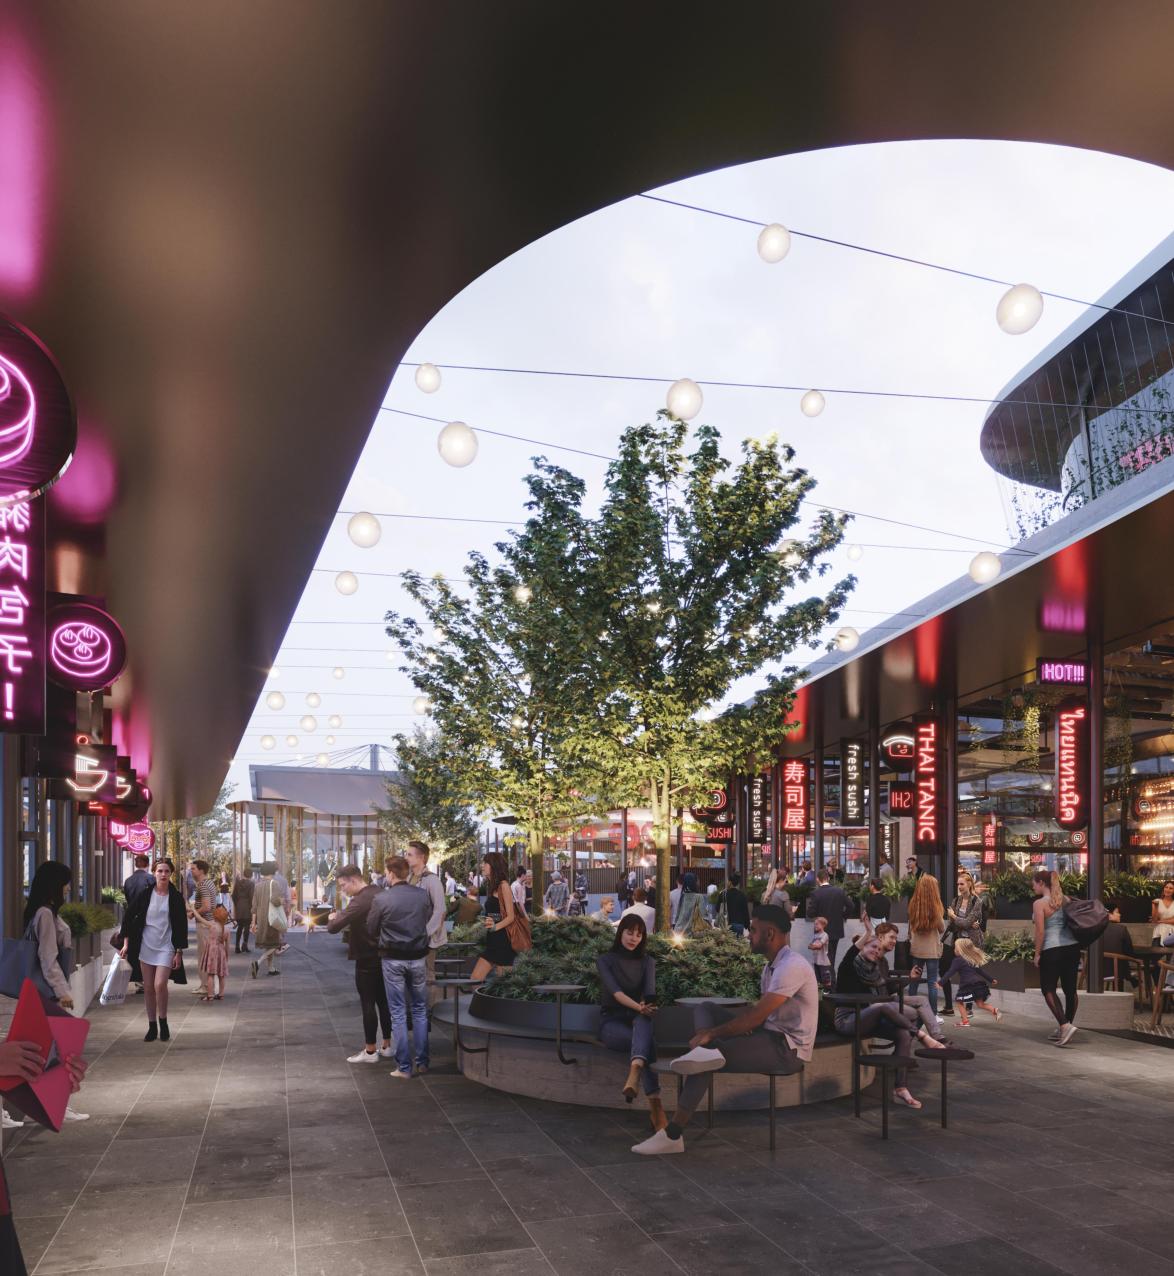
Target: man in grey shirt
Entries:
(419, 874)
(398, 922)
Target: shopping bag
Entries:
(116, 984)
(277, 918)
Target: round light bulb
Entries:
(389, 655)
(364, 529)
(684, 399)
(321, 759)
(457, 444)
(291, 741)
(812, 403)
(346, 583)
(985, 567)
(774, 242)
(335, 720)
(855, 553)
(1019, 309)
(275, 672)
(275, 700)
(267, 742)
(309, 724)
(313, 700)
(847, 639)
(791, 553)
(707, 714)
(428, 378)
(517, 722)
(421, 704)
(338, 672)
(330, 739)
(523, 594)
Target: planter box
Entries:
(1012, 909)
(1013, 976)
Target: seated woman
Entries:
(865, 972)
(627, 977)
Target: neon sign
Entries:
(1072, 764)
(852, 783)
(140, 838)
(86, 648)
(927, 781)
(990, 834)
(22, 617)
(795, 796)
(759, 808)
(1062, 673)
(19, 412)
(902, 799)
(899, 747)
(38, 431)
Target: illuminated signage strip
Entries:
(1062, 673)
(22, 617)
(902, 797)
(759, 804)
(927, 783)
(1072, 764)
(796, 795)
(852, 783)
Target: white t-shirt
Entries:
(798, 1017)
(644, 911)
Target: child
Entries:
(974, 985)
(215, 959)
(819, 946)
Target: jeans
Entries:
(407, 982)
(757, 1051)
(373, 1002)
(929, 966)
(636, 1039)
(886, 1020)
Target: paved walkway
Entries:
(249, 1145)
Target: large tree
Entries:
(427, 799)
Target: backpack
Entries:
(1086, 919)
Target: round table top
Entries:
(455, 983)
(950, 1053)
(711, 1001)
(559, 987)
(463, 944)
(885, 1061)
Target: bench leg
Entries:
(884, 1080)
(772, 1113)
(558, 1034)
(856, 1051)
(709, 1103)
(944, 1065)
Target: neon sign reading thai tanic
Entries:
(926, 815)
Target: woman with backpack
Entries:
(1057, 953)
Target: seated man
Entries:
(886, 937)
(774, 1035)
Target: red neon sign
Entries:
(926, 782)
(1072, 765)
(990, 834)
(901, 798)
(795, 796)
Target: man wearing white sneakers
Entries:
(776, 1034)
(364, 952)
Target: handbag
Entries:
(518, 930)
(276, 913)
(1086, 919)
(18, 959)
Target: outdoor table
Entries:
(711, 1001)
(1149, 956)
(560, 991)
(457, 984)
(854, 1001)
(902, 981)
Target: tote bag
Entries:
(18, 959)
(276, 914)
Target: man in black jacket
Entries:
(364, 952)
(831, 902)
(737, 906)
(398, 922)
(140, 880)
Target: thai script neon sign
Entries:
(927, 783)
(1072, 764)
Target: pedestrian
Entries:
(518, 888)
(627, 1004)
(242, 907)
(398, 921)
(912, 868)
(139, 880)
(710, 904)
(877, 905)
(450, 884)
(775, 892)
(364, 952)
(974, 984)
(268, 908)
(1162, 916)
(155, 934)
(832, 902)
(640, 907)
(224, 896)
(529, 891)
(557, 895)
(819, 950)
(776, 1034)
(927, 924)
(509, 929)
(886, 871)
(214, 962)
(737, 906)
(1057, 954)
(203, 901)
(807, 877)
(688, 907)
(963, 921)
(607, 906)
(419, 874)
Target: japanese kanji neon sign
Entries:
(22, 617)
(795, 786)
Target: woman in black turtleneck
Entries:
(627, 977)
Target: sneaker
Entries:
(11, 1123)
(364, 1056)
(948, 1011)
(702, 1059)
(963, 1023)
(254, 967)
(421, 1069)
(660, 1144)
(401, 1076)
(1066, 1034)
(941, 1023)
(71, 1114)
(1054, 1035)
(998, 1016)
(385, 1052)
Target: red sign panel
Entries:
(990, 834)
(1072, 764)
(927, 781)
(795, 796)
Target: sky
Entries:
(645, 289)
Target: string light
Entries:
(428, 378)
(985, 567)
(338, 672)
(291, 741)
(421, 704)
(313, 700)
(275, 700)
(855, 553)
(335, 720)
(322, 759)
(774, 242)
(346, 583)
(684, 399)
(523, 594)
(330, 739)
(364, 529)
(309, 724)
(457, 444)
(848, 638)
(1019, 309)
(812, 403)
(267, 742)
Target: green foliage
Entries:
(1012, 884)
(715, 963)
(1017, 946)
(1131, 886)
(87, 919)
(469, 933)
(1074, 885)
(427, 801)
(754, 888)
(113, 895)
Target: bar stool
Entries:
(887, 1066)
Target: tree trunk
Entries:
(538, 869)
(658, 791)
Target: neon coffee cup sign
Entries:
(86, 648)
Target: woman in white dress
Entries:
(155, 934)
(1162, 914)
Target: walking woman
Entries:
(268, 908)
(155, 933)
(627, 1003)
(688, 906)
(776, 890)
(927, 922)
(1057, 954)
(508, 926)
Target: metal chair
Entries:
(1126, 970)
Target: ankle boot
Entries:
(152, 1031)
(656, 1113)
(164, 1030)
(633, 1082)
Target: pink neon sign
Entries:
(18, 413)
(140, 838)
(38, 430)
(22, 617)
(86, 648)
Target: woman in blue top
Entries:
(1057, 953)
(627, 1003)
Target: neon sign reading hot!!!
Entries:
(926, 783)
(1072, 765)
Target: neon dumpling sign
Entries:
(87, 650)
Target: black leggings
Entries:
(1060, 965)
(373, 1000)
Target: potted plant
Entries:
(1011, 961)
(1132, 894)
(1013, 894)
